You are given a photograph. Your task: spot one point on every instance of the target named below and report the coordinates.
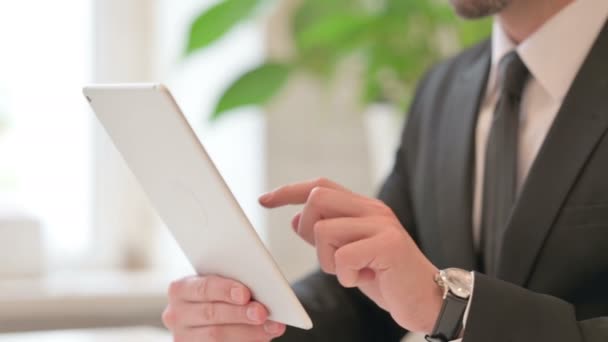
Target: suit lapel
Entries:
(456, 159)
(578, 127)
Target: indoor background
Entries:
(277, 91)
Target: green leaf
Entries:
(333, 30)
(256, 87)
(212, 24)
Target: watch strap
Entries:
(449, 323)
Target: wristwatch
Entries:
(457, 285)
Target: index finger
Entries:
(296, 193)
(209, 289)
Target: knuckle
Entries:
(327, 268)
(168, 317)
(341, 279)
(258, 334)
(339, 256)
(384, 209)
(213, 333)
(202, 288)
(316, 195)
(175, 288)
(209, 313)
(318, 228)
(322, 181)
(396, 235)
(389, 222)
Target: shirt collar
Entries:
(557, 50)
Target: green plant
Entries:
(396, 41)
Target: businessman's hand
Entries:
(216, 309)
(360, 240)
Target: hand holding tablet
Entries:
(212, 308)
(161, 149)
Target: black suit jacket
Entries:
(551, 280)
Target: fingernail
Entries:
(252, 314)
(266, 197)
(237, 294)
(272, 327)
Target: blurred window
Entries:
(46, 149)
(44, 123)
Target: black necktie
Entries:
(500, 169)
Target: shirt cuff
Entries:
(466, 311)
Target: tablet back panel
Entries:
(163, 152)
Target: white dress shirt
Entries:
(553, 55)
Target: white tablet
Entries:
(184, 186)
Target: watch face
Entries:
(460, 282)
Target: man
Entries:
(502, 169)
